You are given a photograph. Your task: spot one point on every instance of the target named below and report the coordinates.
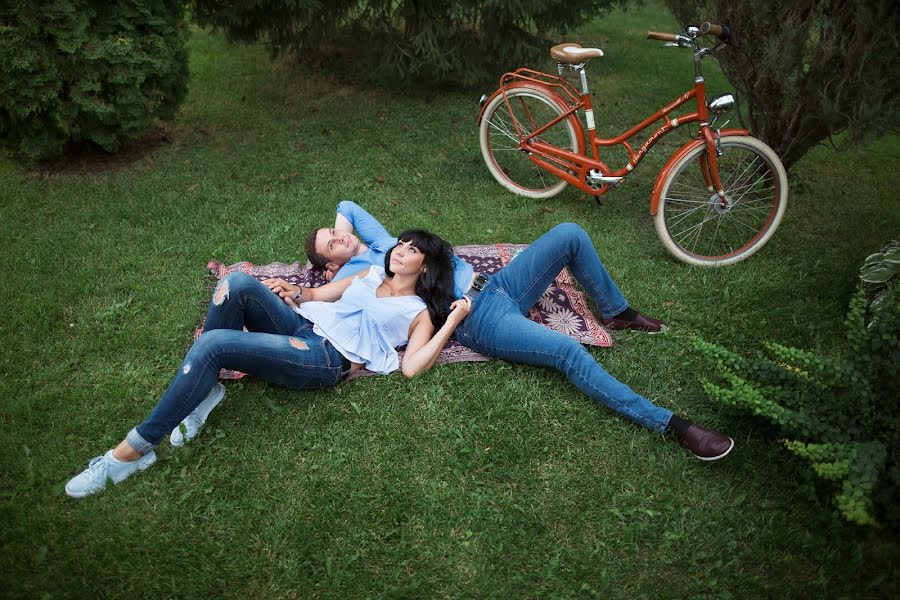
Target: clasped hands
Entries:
(286, 291)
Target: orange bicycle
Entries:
(717, 200)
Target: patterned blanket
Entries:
(562, 307)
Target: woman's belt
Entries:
(478, 283)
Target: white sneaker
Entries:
(93, 479)
(194, 421)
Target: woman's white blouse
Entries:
(364, 328)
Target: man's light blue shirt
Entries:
(376, 237)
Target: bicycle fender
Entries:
(676, 156)
(576, 123)
(484, 106)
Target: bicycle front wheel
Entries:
(694, 224)
(532, 108)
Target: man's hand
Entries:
(286, 291)
(279, 286)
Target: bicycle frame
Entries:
(717, 199)
(577, 168)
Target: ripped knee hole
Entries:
(298, 344)
(221, 294)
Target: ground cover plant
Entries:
(474, 480)
(840, 413)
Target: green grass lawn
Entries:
(473, 480)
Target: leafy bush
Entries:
(808, 69)
(842, 414)
(404, 41)
(83, 71)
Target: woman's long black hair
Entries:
(435, 285)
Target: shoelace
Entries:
(191, 424)
(97, 469)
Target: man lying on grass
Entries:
(497, 325)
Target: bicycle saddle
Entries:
(572, 53)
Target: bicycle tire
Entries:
(693, 225)
(498, 138)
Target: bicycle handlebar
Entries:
(720, 31)
(723, 32)
(663, 37)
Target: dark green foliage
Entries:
(409, 41)
(808, 69)
(846, 410)
(87, 71)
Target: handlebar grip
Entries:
(720, 31)
(663, 37)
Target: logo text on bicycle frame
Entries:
(669, 126)
(650, 141)
(674, 103)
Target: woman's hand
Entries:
(459, 310)
(425, 344)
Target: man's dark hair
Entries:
(318, 261)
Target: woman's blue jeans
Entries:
(279, 346)
(498, 327)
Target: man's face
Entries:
(337, 247)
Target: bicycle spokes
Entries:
(516, 116)
(703, 223)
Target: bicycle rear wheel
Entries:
(692, 222)
(532, 108)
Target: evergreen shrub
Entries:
(404, 41)
(808, 69)
(840, 414)
(87, 71)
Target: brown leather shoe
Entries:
(639, 323)
(706, 444)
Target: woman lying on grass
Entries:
(499, 327)
(330, 332)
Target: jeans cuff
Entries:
(137, 442)
(664, 423)
(616, 311)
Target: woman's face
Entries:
(406, 259)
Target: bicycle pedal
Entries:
(597, 178)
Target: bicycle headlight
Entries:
(721, 104)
